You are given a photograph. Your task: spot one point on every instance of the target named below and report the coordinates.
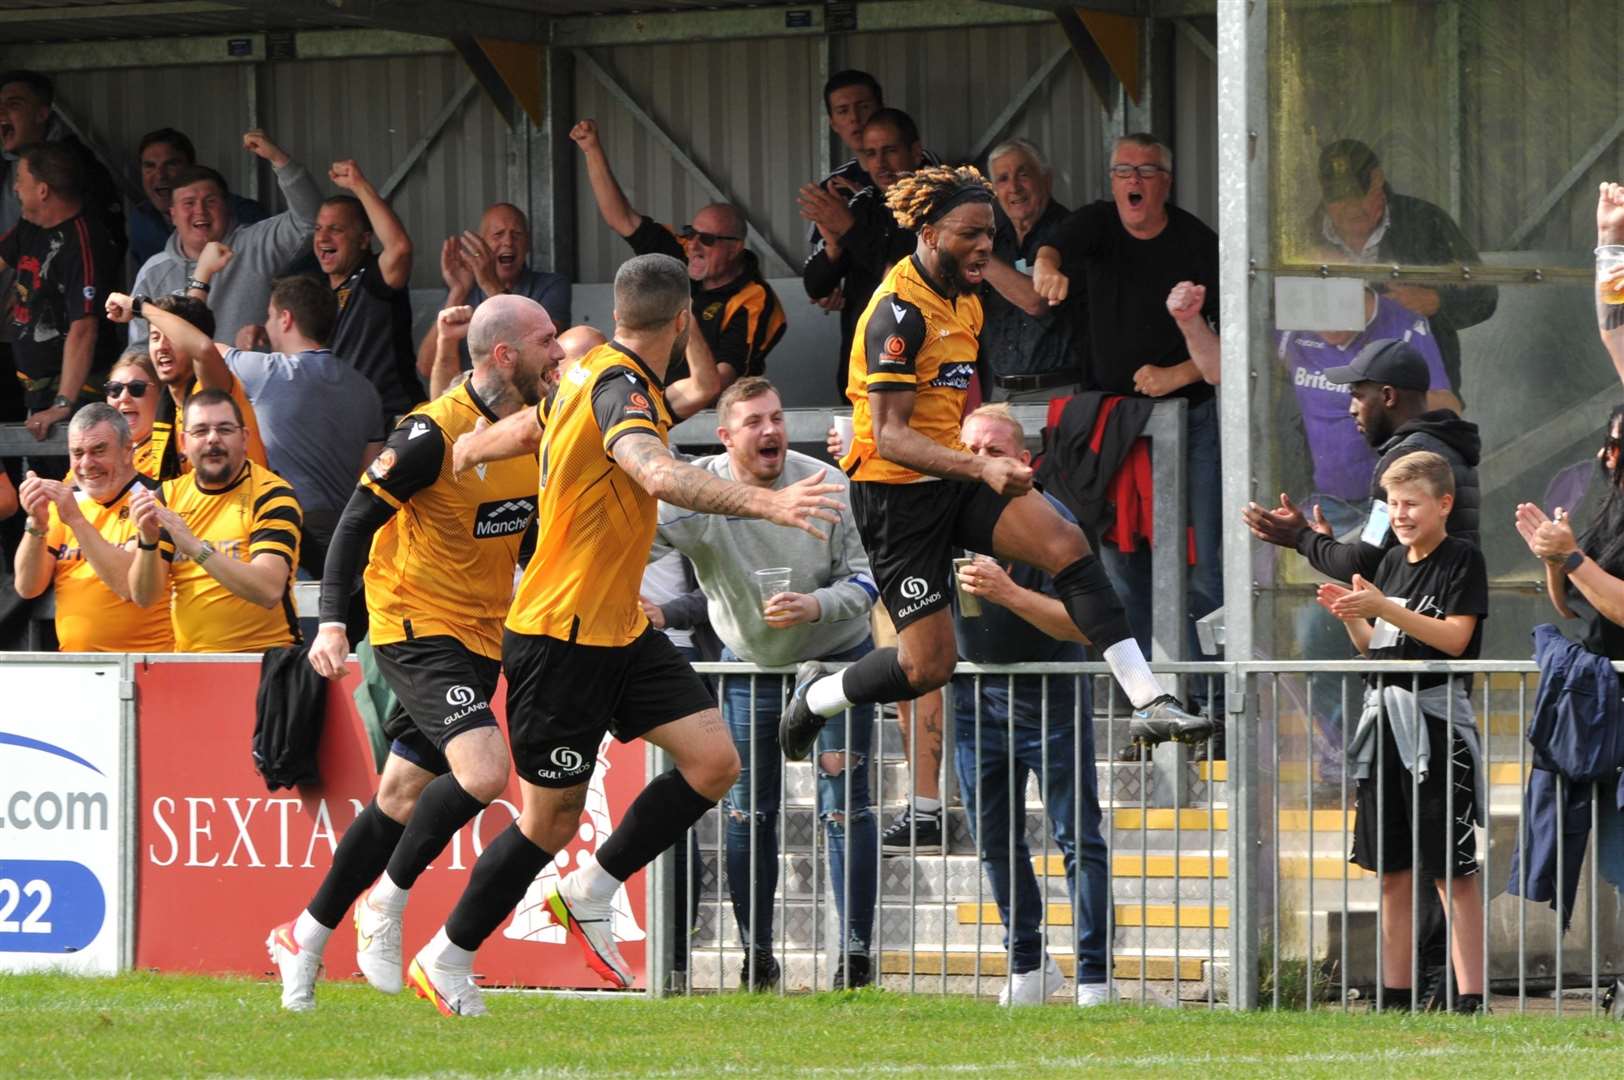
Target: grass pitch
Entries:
(151, 1025)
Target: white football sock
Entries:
(311, 935)
(927, 806)
(387, 898)
(827, 696)
(595, 881)
(442, 952)
(1131, 671)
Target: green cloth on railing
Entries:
(374, 700)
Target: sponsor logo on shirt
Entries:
(955, 376)
(382, 463)
(503, 518)
(1316, 380)
(898, 311)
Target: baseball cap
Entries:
(1344, 169)
(1387, 361)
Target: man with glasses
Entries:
(739, 314)
(79, 538)
(1149, 271)
(1362, 219)
(221, 542)
(322, 418)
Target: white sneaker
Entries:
(1091, 994)
(377, 946)
(299, 968)
(592, 921)
(451, 990)
(1032, 987)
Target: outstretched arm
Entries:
(649, 463)
(1610, 273)
(705, 379)
(512, 436)
(395, 260)
(1184, 304)
(616, 209)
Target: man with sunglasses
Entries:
(739, 315)
(221, 542)
(183, 374)
(1149, 271)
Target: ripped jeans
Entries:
(853, 863)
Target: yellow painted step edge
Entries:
(1196, 916)
(993, 965)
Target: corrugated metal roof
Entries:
(96, 20)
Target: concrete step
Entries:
(1125, 828)
(962, 877)
(936, 926)
(1118, 781)
(1191, 915)
(806, 971)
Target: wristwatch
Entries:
(61, 402)
(1573, 561)
(203, 553)
(136, 303)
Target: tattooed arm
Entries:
(649, 463)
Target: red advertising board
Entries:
(222, 860)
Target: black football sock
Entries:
(659, 816)
(877, 679)
(1092, 603)
(357, 861)
(442, 809)
(500, 877)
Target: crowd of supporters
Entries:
(225, 374)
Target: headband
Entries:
(966, 194)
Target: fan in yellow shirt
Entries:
(223, 539)
(80, 538)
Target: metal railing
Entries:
(1177, 853)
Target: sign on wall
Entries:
(61, 818)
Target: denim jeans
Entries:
(1130, 571)
(1063, 759)
(850, 826)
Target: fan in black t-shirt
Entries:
(1430, 594)
(374, 331)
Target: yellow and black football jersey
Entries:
(741, 321)
(90, 617)
(256, 513)
(443, 562)
(594, 524)
(911, 337)
(146, 458)
(161, 452)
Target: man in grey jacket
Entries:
(820, 613)
(201, 210)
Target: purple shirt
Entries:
(1343, 461)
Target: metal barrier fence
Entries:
(1221, 881)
